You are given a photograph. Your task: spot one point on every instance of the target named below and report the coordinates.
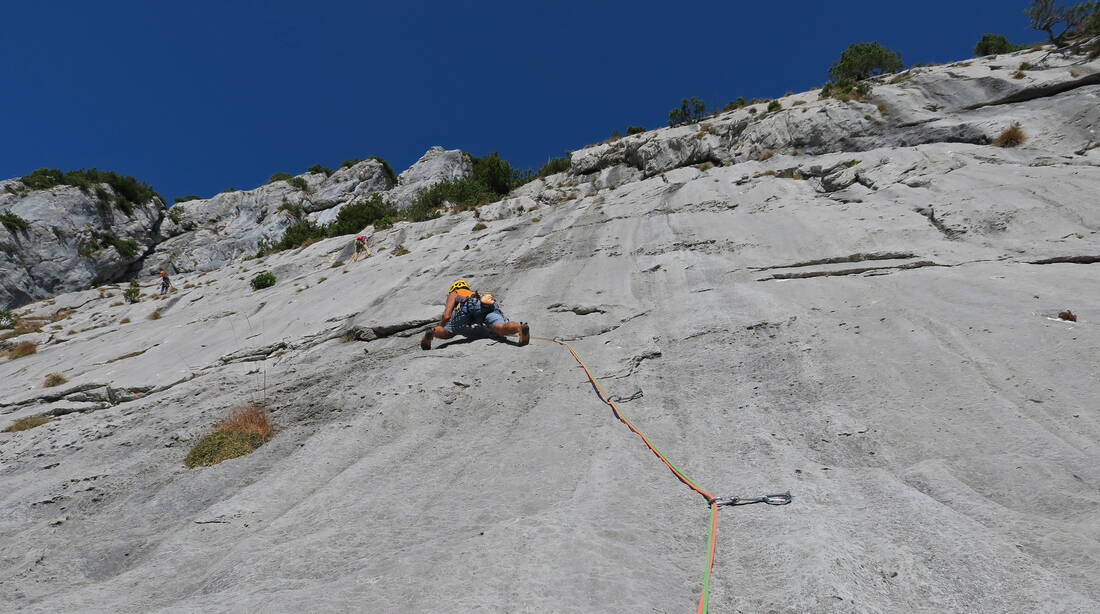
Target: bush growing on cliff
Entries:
(280, 176)
(127, 248)
(7, 319)
(864, 60)
(554, 166)
(133, 293)
(263, 280)
(690, 111)
(317, 168)
(183, 199)
(492, 178)
(994, 44)
(54, 379)
(298, 183)
(129, 190)
(632, 130)
(846, 90)
(358, 215)
(12, 221)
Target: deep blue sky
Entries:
(197, 97)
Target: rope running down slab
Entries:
(713, 501)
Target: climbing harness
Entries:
(618, 399)
(713, 501)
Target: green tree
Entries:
(994, 44)
(862, 60)
(690, 111)
(1047, 16)
(317, 168)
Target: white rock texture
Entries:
(64, 247)
(876, 331)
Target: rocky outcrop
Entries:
(74, 240)
(204, 234)
(966, 102)
(436, 165)
(207, 233)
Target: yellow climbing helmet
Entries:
(459, 283)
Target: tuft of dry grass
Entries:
(27, 423)
(155, 315)
(883, 108)
(337, 264)
(902, 78)
(54, 379)
(400, 251)
(117, 304)
(767, 155)
(125, 320)
(242, 432)
(798, 103)
(25, 348)
(1019, 74)
(1013, 136)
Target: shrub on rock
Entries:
(690, 111)
(245, 430)
(994, 44)
(54, 379)
(133, 293)
(863, 60)
(13, 222)
(263, 280)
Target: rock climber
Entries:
(165, 283)
(467, 313)
(361, 247)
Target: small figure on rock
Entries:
(1068, 316)
(471, 314)
(165, 283)
(361, 248)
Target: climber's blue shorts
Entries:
(459, 323)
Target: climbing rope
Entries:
(712, 501)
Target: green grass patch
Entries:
(245, 430)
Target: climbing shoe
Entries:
(426, 340)
(525, 334)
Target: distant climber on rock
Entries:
(469, 313)
(165, 283)
(361, 248)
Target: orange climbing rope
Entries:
(712, 501)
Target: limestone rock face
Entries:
(436, 165)
(207, 233)
(968, 102)
(71, 241)
(875, 329)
